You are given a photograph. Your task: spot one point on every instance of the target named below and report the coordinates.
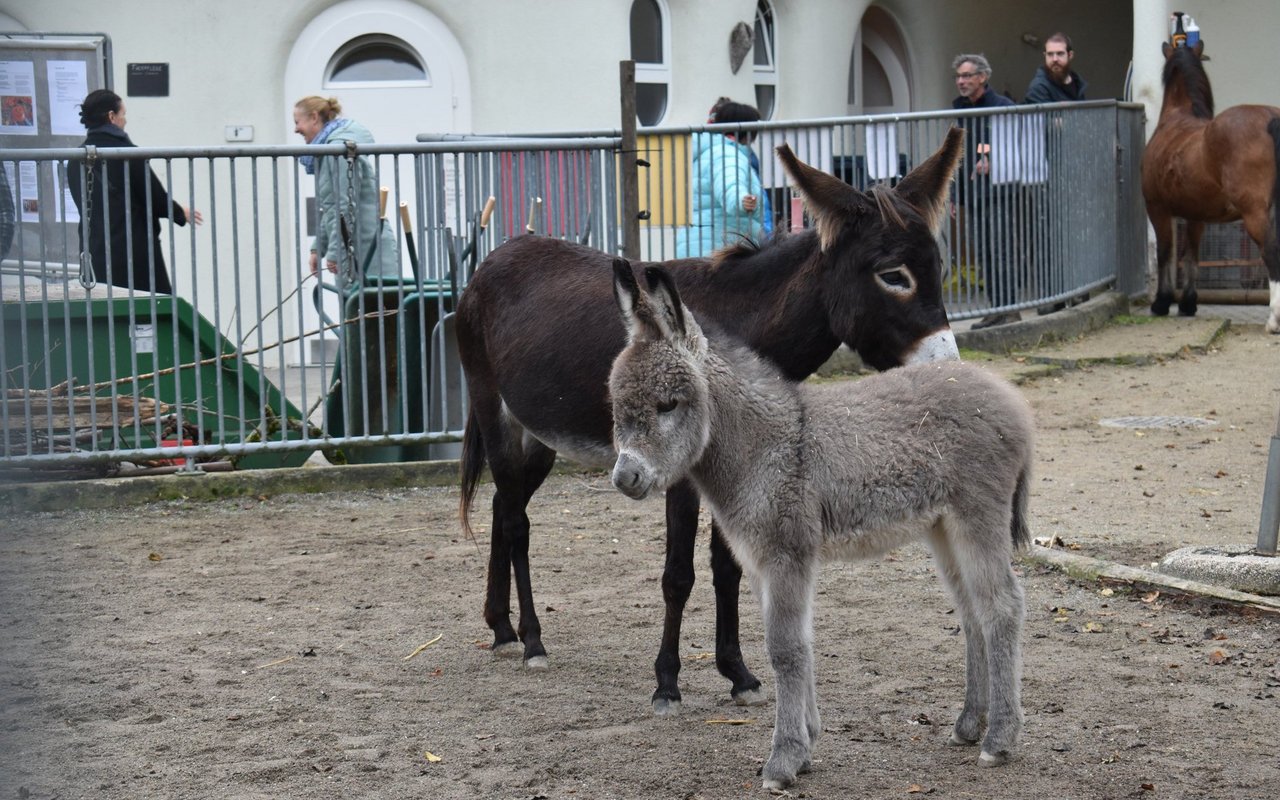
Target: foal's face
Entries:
(660, 416)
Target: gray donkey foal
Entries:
(797, 474)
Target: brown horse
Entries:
(1205, 168)
(868, 275)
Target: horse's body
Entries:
(1209, 169)
(796, 474)
(868, 276)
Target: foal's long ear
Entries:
(664, 302)
(926, 187)
(833, 203)
(626, 292)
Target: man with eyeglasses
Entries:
(977, 238)
(1055, 82)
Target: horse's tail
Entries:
(1273, 128)
(472, 467)
(1021, 492)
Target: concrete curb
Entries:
(1091, 569)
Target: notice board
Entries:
(43, 79)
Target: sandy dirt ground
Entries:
(265, 647)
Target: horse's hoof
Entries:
(986, 759)
(750, 697)
(778, 784)
(956, 740)
(1273, 326)
(507, 650)
(537, 663)
(665, 707)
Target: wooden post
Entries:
(629, 180)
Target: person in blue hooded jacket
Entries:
(729, 201)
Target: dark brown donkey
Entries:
(868, 274)
(1205, 168)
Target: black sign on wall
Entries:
(148, 80)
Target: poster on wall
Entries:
(28, 191)
(18, 98)
(68, 86)
(65, 209)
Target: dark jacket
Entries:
(977, 130)
(131, 222)
(1044, 89)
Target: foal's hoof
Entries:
(536, 663)
(665, 707)
(986, 759)
(750, 697)
(507, 650)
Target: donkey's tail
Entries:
(1021, 491)
(472, 467)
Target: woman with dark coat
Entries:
(123, 213)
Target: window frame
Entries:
(357, 43)
(766, 75)
(651, 72)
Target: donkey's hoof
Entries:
(665, 707)
(957, 740)
(1273, 326)
(750, 697)
(778, 784)
(507, 650)
(537, 663)
(986, 759)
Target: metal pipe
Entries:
(1269, 525)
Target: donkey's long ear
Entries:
(626, 292)
(926, 187)
(664, 302)
(833, 203)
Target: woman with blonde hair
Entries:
(319, 120)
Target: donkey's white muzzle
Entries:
(631, 477)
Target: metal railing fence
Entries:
(255, 359)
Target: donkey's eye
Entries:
(667, 406)
(898, 280)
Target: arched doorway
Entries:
(396, 68)
(879, 66)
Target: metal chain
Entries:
(351, 270)
(87, 279)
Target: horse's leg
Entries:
(727, 576)
(982, 553)
(1191, 265)
(537, 465)
(968, 728)
(787, 599)
(1162, 223)
(677, 583)
(1257, 223)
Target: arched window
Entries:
(765, 65)
(376, 58)
(649, 38)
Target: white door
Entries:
(396, 69)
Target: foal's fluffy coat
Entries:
(796, 474)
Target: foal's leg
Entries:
(515, 481)
(973, 717)
(1191, 265)
(1258, 224)
(1162, 223)
(982, 549)
(788, 630)
(677, 583)
(727, 577)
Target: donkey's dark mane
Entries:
(1184, 64)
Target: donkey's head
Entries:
(661, 418)
(880, 266)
